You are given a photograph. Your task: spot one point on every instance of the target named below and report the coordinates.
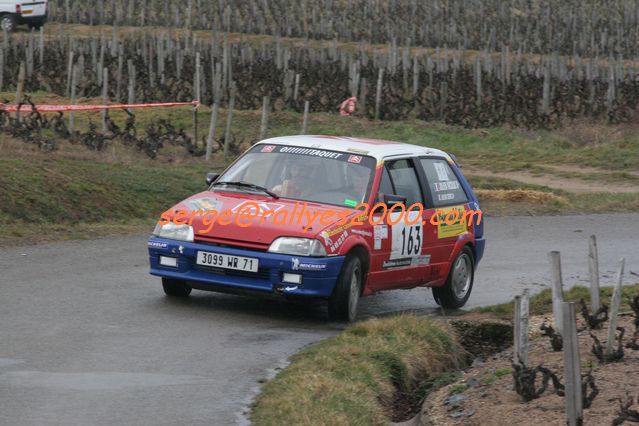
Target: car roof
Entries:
(379, 149)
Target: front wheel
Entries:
(175, 288)
(342, 305)
(455, 293)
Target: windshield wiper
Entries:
(250, 186)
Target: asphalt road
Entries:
(87, 336)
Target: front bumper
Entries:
(319, 274)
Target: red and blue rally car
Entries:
(326, 217)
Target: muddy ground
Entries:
(485, 394)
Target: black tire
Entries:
(175, 288)
(455, 292)
(8, 22)
(342, 305)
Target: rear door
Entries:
(444, 196)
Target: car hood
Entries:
(249, 222)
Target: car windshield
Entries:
(306, 174)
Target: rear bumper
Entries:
(480, 244)
(318, 274)
(26, 19)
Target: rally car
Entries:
(253, 230)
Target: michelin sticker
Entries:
(296, 265)
(406, 238)
(157, 244)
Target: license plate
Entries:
(227, 261)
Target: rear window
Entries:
(444, 186)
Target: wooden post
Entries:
(264, 125)
(614, 309)
(572, 366)
(229, 119)
(131, 98)
(297, 87)
(196, 94)
(118, 91)
(22, 74)
(593, 268)
(105, 97)
(378, 93)
(209, 140)
(74, 84)
(557, 288)
(305, 120)
(69, 71)
(520, 353)
(41, 51)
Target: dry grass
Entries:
(518, 195)
(352, 379)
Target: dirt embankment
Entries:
(485, 394)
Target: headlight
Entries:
(298, 246)
(174, 232)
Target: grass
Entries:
(352, 379)
(494, 149)
(541, 303)
(58, 198)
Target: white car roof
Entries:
(379, 149)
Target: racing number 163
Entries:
(411, 241)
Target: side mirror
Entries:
(391, 199)
(211, 177)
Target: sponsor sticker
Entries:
(362, 232)
(445, 230)
(157, 244)
(204, 204)
(445, 197)
(396, 263)
(446, 186)
(442, 171)
(356, 159)
(421, 260)
(268, 148)
(296, 265)
(338, 243)
(310, 151)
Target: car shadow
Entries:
(305, 312)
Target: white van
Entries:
(17, 12)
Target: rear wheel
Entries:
(175, 288)
(455, 293)
(8, 23)
(343, 303)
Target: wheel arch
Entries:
(361, 252)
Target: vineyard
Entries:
(534, 64)
(589, 27)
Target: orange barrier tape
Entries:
(62, 108)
